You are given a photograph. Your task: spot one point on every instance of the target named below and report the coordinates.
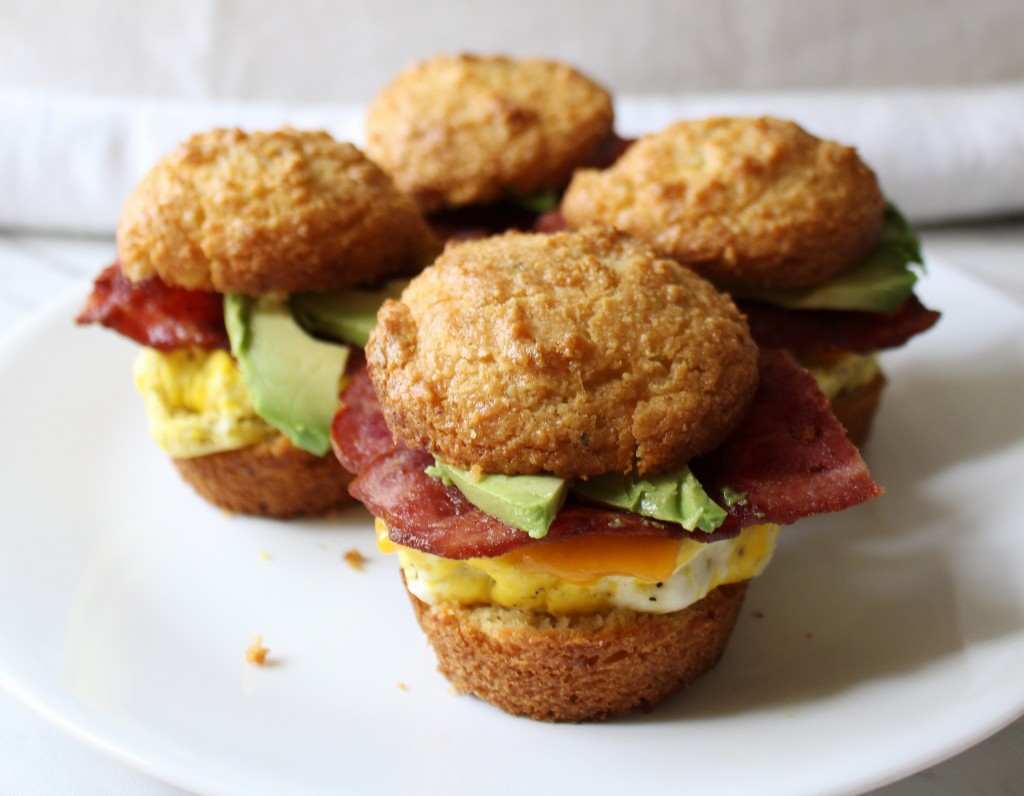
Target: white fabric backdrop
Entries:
(343, 50)
(93, 91)
(67, 163)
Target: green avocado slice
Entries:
(293, 378)
(674, 497)
(526, 502)
(880, 283)
(346, 315)
(531, 502)
(539, 201)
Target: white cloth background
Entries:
(93, 91)
(311, 51)
(67, 163)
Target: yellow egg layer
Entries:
(588, 574)
(843, 372)
(196, 402)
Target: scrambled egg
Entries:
(590, 573)
(846, 372)
(196, 402)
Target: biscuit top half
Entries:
(575, 354)
(754, 201)
(465, 129)
(282, 211)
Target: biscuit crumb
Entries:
(403, 687)
(355, 559)
(265, 556)
(256, 653)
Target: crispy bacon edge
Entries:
(155, 314)
(813, 332)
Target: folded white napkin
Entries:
(67, 163)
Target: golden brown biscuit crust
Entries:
(463, 129)
(270, 479)
(574, 354)
(753, 201)
(282, 211)
(581, 668)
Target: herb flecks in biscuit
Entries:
(574, 354)
(741, 200)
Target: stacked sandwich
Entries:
(248, 267)
(592, 458)
(573, 442)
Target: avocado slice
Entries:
(346, 315)
(530, 502)
(674, 497)
(526, 502)
(881, 282)
(539, 201)
(293, 378)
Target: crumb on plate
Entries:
(355, 559)
(256, 653)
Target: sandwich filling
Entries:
(588, 574)
(223, 372)
(788, 459)
(567, 424)
(196, 402)
(842, 372)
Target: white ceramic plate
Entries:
(878, 642)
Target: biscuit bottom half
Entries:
(578, 668)
(854, 384)
(856, 408)
(583, 628)
(199, 412)
(268, 479)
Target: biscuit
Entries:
(578, 668)
(464, 129)
(856, 408)
(740, 200)
(269, 479)
(576, 353)
(281, 211)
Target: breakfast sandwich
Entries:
(485, 143)
(250, 268)
(795, 227)
(580, 458)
